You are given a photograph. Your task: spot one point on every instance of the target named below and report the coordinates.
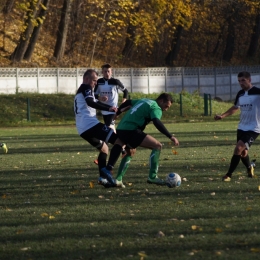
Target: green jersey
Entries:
(140, 114)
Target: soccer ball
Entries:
(173, 180)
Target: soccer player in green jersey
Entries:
(130, 132)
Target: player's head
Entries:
(244, 79)
(90, 77)
(107, 71)
(164, 101)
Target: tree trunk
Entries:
(8, 6)
(62, 31)
(230, 42)
(36, 31)
(254, 38)
(21, 48)
(131, 31)
(175, 46)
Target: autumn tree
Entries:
(62, 30)
(31, 9)
(36, 31)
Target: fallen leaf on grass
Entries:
(142, 254)
(174, 152)
(25, 248)
(44, 214)
(194, 227)
(212, 193)
(160, 234)
(218, 230)
(51, 217)
(91, 184)
(19, 231)
(255, 250)
(248, 209)
(74, 192)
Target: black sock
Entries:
(102, 161)
(114, 155)
(233, 164)
(246, 161)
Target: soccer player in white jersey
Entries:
(106, 91)
(88, 126)
(248, 101)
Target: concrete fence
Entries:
(220, 82)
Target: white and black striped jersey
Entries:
(85, 105)
(249, 104)
(109, 88)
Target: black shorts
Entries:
(248, 137)
(99, 134)
(132, 138)
(108, 119)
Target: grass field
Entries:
(49, 208)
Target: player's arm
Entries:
(123, 89)
(160, 126)
(124, 107)
(96, 93)
(99, 105)
(229, 112)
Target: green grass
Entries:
(57, 109)
(49, 211)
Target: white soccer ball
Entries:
(173, 180)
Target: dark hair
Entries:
(89, 72)
(165, 97)
(106, 66)
(244, 74)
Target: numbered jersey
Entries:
(141, 113)
(109, 88)
(249, 104)
(85, 115)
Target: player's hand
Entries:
(113, 109)
(175, 141)
(103, 98)
(217, 117)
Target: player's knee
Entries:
(158, 146)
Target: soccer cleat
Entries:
(105, 183)
(4, 147)
(156, 181)
(226, 178)
(96, 161)
(106, 173)
(251, 169)
(119, 184)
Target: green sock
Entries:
(154, 163)
(123, 167)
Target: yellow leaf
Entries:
(259, 188)
(174, 152)
(248, 209)
(58, 212)
(51, 217)
(255, 250)
(74, 192)
(142, 254)
(91, 184)
(44, 214)
(19, 231)
(218, 230)
(194, 227)
(215, 137)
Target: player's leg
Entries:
(248, 138)
(98, 136)
(124, 164)
(156, 147)
(245, 139)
